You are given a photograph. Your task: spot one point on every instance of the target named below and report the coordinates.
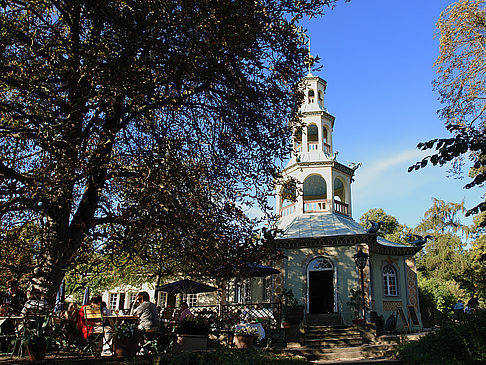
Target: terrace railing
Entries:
(224, 317)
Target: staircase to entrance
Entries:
(325, 337)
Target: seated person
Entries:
(86, 326)
(69, 321)
(184, 312)
(147, 313)
(34, 307)
(14, 298)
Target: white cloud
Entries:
(372, 176)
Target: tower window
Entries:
(310, 95)
(320, 98)
(390, 281)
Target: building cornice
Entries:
(347, 240)
(338, 166)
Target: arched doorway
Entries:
(320, 286)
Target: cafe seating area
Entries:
(103, 336)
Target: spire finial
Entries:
(310, 56)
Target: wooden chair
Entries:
(94, 322)
(167, 314)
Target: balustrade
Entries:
(326, 148)
(315, 205)
(341, 208)
(287, 210)
(312, 146)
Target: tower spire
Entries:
(309, 63)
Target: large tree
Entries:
(144, 126)
(462, 89)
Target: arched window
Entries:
(339, 191)
(315, 194)
(312, 137)
(390, 281)
(320, 98)
(288, 196)
(310, 94)
(325, 146)
(298, 140)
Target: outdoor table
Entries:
(122, 318)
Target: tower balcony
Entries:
(326, 148)
(341, 208)
(316, 206)
(312, 146)
(288, 210)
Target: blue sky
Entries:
(377, 58)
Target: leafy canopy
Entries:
(143, 128)
(460, 84)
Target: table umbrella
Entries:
(245, 269)
(59, 304)
(86, 296)
(185, 287)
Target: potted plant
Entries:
(192, 334)
(293, 312)
(355, 303)
(126, 338)
(245, 337)
(36, 347)
(35, 337)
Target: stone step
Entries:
(329, 319)
(342, 332)
(333, 342)
(332, 338)
(344, 353)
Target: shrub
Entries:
(236, 357)
(455, 343)
(193, 326)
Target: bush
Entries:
(193, 326)
(455, 343)
(236, 357)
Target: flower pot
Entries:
(295, 314)
(126, 347)
(37, 349)
(187, 342)
(244, 342)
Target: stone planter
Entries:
(192, 342)
(244, 342)
(126, 347)
(294, 315)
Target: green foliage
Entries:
(143, 128)
(460, 84)
(246, 331)
(20, 246)
(390, 230)
(442, 217)
(439, 294)
(236, 357)
(355, 302)
(453, 344)
(126, 330)
(288, 299)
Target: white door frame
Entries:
(322, 263)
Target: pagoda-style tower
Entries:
(319, 237)
(325, 183)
